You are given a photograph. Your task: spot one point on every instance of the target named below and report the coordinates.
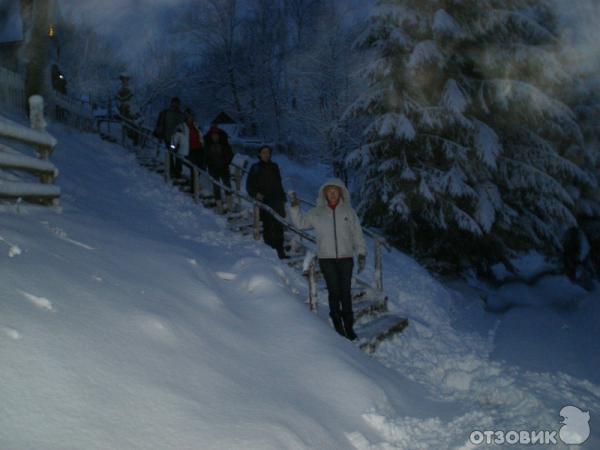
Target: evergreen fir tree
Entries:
(468, 143)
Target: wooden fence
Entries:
(12, 91)
(12, 161)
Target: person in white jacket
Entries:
(339, 237)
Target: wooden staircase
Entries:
(374, 323)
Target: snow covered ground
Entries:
(130, 318)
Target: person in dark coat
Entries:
(218, 156)
(167, 121)
(166, 126)
(59, 82)
(264, 184)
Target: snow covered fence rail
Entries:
(42, 144)
(133, 135)
(12, 91)
(72, 111)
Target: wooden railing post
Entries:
(196, 184)
(109, 115)
(124, 131)
(378, 266)
(256, 222)
(238, 178)
(36, 113)
(312, 285)
(238, 186)
(167, 165)
(38, 123)
(295, 245)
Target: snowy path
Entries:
(451, 349)
(131, 318)
(498, 370)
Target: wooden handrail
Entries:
(379, 240)
(366, 230)
(245, 197)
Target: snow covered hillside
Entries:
(132, 319)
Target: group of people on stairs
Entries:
(337, 227)
(212, 151)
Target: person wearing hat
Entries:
(264, 184)
(339, 238)
(218, 155)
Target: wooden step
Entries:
(180, 181)
(366, 307)
(237, 215)
(295, 261)
(373, 333)
(107, 137)
(359, 294)
(152, 165)
(240, 225)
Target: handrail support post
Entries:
(378, 266)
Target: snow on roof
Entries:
(223, 118)
(11, 24)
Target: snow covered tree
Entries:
(466, 156)
(263, 49)
(321, 85)
(585, 98)
(90, 60)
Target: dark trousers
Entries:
(176, 167)
(174, 163)
(195, 157)
(221, 175)
(272, 232)
(338, 277)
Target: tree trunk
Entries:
(36, 49)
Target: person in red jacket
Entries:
(188, 142)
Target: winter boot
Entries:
(281, 253)
(349, 326)
(337, 324)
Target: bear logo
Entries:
(575, 429)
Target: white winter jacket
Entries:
(181, 139)
(339, 233)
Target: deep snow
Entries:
(130, 318)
